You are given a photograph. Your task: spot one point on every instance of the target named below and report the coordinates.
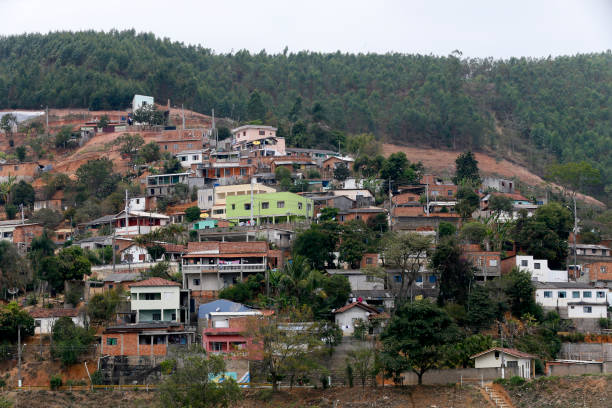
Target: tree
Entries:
(398, 169)
(416, 338)
(103, 122)
(328, 214)
(408, 252)
(69, 264)
(468, 201)
(130, 144)
(461, 352)
(49, 218)
(97, 177)
(286, 339)
(473, 232)
(317, 245)
(21, 153)
(15, 271)
(70, 341)
(483, 309)
(7, 122)
(455, 272)
(466, 169)
(500, 204)
(446, 229)
(255, 108)
(354, 242)
(223, 133)
(364, 362)
(11, 211)
(192, 213)
(341, 172)
(193, 384)
(11, 317)
(156, 251)
(379, 223)
(149, 152)
(172, 166)
(102, 306)
(521, 293)
(22, 193)
(63, 137)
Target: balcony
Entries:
(224, 268)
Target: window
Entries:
(209, 198)
(228, 172)
(493, 262)
(601, 294)
(146, 340)
(16, 167)
(450, 192)
(299, 206)
(536, 265)
(150, 296)
(587, 309)
(233, 206)
(562, 294)
(524, 262)
(586, 294)
(243, 171)
(432, 278)
(262, 133)
(265, 205)
(159, 339)
(217, 346)
(369, 261)
(575, 294)
(183, 158)
(247, 206)
(398, 278)
(593, 251)
(196, 157)
(308, 207)
(603, 269)
(189, 145)
(175, 147)
(548, 293)
(157, 316)
(111, 341)
(196, 282)
(419, 279)
(138, 201)
(496, 354)
(280, 204)
(165, 147)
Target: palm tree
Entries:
(6, 187)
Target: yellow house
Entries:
(213, 199)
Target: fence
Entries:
(586, 351)
(458, 376)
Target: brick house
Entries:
(487, 263)
(600, 271)
(144, 339)
(363, 214)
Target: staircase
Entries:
(498, 397)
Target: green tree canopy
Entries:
(466, 169)
(11, 317)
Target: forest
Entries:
(545, 110)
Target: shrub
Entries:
(167, 366)
(32, 300)
(604, 323)
(97, 378)
(5, 402)
(55, 381)
(349, 375)
(539, 366)
(500, 381)
(516, 381)
(264, 395)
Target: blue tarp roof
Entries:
(221, 305)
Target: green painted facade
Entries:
(204, 224)
(269, 208)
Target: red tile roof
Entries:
(155, 282)
(43, 312)
(512, 352)
(360, 305)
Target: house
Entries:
(189, 157)
(347, 316)
(364, 214)
(517, 362)
(407, 198)
(161, 185)
(378, 298)
(141, 100)
(538, 268)
(263, 147)
(487, 263)
(51, 204)
(317, 154)
(582, 303)
(175, 145)
(587, 251)
(145, 339)
(359, 280)
(224, 172)
(361, 196)
(214, 198)
(210, 223)
(332, 163)
(211, 266)
(44, 319)
(20, 233)
(250, 133)
(437, 189)
(599, 272)
(135, 254)
(519, 203)
(498, 184)
(27, 171)
(415, 218)
(223, 325)
(269, 208)
(138, 222)
(159, 300)
(120, 280)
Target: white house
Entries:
(158, 299)
(573, 300)
(511, 358)
(135, 254)
(359, 280)
(138, 203)
(45, 319)
(539, 270)
(189, 157)
(347, 316)
(141, 100)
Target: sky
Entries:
(477, 28)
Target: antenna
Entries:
(183, 112)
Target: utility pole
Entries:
(22, 216)
(215, 134)
(127, 210)
(575, 233)
(114, 230)
(390, 206)
(47, 114)
(19, 355)
(183, 112)
(252, 178)
(427, 198)
(503, 360)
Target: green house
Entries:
(204, 224)
(269, 208)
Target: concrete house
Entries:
(214, 198)
(141, 100)
(347, 316)
(159, 300)
(189, 157)
(269, 208)
(582, 303)
(45, 319)
(517, 362)
(135, 254)
(538, 268)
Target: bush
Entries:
(264, 395)
(539, 366)
(604, 323)
(55, 381)
(32, 300)
(516, 381)
(97, 378)
(349, 375)
(167, 366)
(5, 402)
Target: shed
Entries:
(511, 359)
(347, 316)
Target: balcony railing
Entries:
(224, 268)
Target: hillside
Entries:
(545, 110)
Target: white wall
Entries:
(360, 282)
(580, 311)
(47, 323)
(206, 198)
(170, 298)
(138, 204)
(571, 296)
(134, 253)
(539, 270)
(187, 159)
(346, 319)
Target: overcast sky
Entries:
(478, 28)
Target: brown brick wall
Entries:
(130, 346)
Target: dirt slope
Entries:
(442, 162)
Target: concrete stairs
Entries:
(499, 398)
